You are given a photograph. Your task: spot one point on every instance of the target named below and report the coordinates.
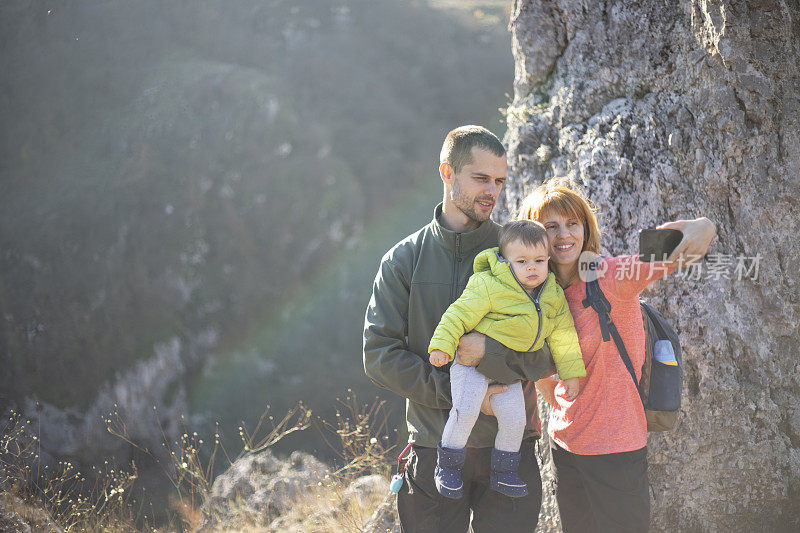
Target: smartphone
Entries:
(657, 244)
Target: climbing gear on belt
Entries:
(397, 480)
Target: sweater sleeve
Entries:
(564, 346)
(629, 275)
(387, 360)
(461, 317)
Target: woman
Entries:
(600, 437)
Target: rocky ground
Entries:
(263, 493)
(259, 493)
(17, 516)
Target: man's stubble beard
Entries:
(466, 205)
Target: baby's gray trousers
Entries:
(468, 388)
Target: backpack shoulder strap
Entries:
(598, 301)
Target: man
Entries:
(417, 280)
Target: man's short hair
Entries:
(457, 146)
(530, 232)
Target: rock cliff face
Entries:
(677, 109)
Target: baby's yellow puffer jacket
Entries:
(495, 304)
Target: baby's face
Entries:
(529, 263)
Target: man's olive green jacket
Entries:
(495, 304)
(417, 280)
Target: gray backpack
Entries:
(662, 373)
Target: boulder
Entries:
(384, 519)
(17, 516)
(259, 488)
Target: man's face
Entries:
(529, 263)
(477, 185)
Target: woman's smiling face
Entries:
(566, 238)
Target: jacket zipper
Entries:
(535, 303)
(539, 316)
(454, 286)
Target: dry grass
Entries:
(332, 507)
(102, 500)
(193, 460)
(345, 499)
(360, 436)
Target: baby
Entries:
(512, 298)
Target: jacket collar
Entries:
(490, 259)
(470, 240)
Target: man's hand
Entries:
(471, 348)
(439, 358)
(486, 406)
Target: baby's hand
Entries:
(439, 358)
(571, 386)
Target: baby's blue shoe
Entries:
(504, 478)
(447, 475)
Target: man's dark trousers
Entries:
(423, 509)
